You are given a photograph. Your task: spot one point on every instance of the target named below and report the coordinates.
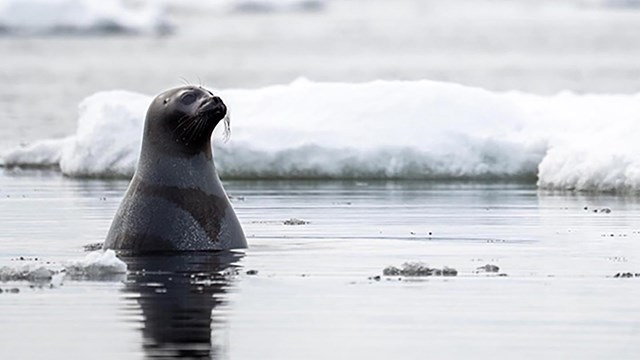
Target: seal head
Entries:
(175, 201)
(182, 120)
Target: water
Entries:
(315, 295)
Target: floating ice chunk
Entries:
(96, 264)
(29, 272)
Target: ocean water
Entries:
(315, 283)
(548, 97)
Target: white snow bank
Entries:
(106, 143)
(382, 130)
(81, 16)
(102, 146)
(45, 153)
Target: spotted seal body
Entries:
(175, 201)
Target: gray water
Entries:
(315, 295)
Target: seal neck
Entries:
(153, 145)
(194, 171)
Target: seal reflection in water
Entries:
(175, 201)
(177, 294)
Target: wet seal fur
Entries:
(175, 201)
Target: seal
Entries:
(175, 201)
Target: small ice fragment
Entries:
(28, 272)
(96, 263)
(391, 271)
(417, 269)
(40, 273)
(447, 271)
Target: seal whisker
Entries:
(191, 130)
(185, 81)
(195, 130)
(226, 135)
(183, 120)
(188, 128)
(184, 123)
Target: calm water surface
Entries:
(313, 296)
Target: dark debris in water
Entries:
(236, 198)
(10, 291)
(418, 269)
(93, 246)
(252, 272)
(24, 258)
(490, 268)
(626, 275)
(214, 276)
(294, 221)
(604, 210)
(613, 235)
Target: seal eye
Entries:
(188, 98)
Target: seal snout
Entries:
(215, 106)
